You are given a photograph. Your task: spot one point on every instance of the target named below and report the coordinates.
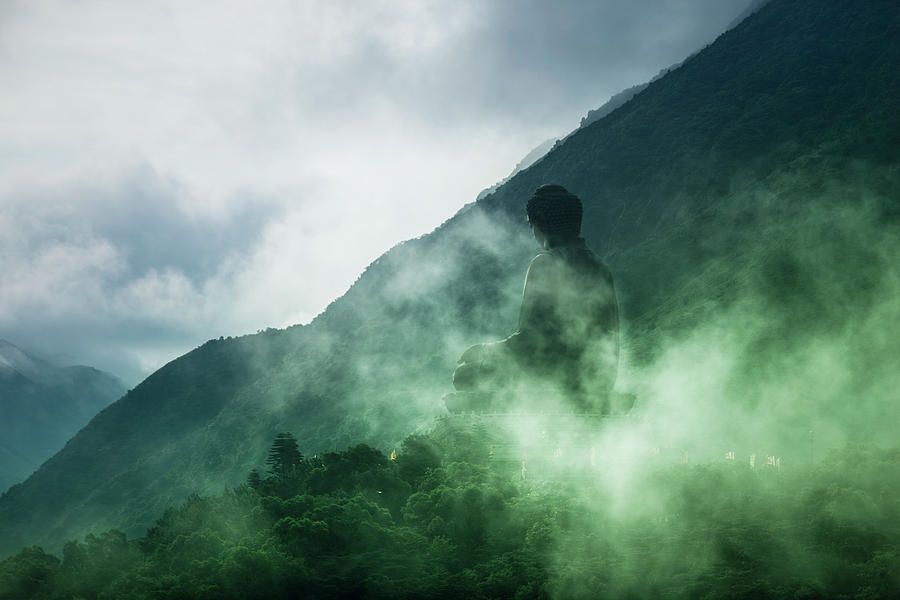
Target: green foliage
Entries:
(418, 455)
(467, 530)
(29, 574)
(89, 568)
(284, 457)
(254, 479)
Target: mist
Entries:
(754, 397)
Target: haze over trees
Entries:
(747, 205)
(448, 519)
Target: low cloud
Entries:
(176, 172)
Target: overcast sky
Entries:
(175, 171)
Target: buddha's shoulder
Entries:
(543, 258)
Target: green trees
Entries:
(464, 530)
(284, 456)
(253, 479)
(93, 565)
(29, 574)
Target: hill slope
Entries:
(745, 201)
(42, 406)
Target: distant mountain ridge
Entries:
(732, 181)
(42, 406)
(754, 6)
(534, 155)
(539, 151)
(614, 102)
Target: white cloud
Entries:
(59, 280)
(173, 171)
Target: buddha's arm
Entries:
(538, 314)
(536, 319)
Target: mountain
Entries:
(539, 151)
(534, 155)
(619, 99)
(746, 203)
(754, 6)
(614, 102)
(42, 406)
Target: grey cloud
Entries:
(92, 268)
(140, 214)
(127, 349)
(340, 111)
(520, 59)
(576, 51)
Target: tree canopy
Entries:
(430, 524)
(284, 456)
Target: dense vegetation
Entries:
(445, 519)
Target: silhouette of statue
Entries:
(566, 346)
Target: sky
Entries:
(172, 172)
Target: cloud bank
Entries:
(174, 172)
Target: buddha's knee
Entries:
(470, 377)
(465, 377)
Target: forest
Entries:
(445, 516)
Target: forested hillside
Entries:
(446, 519)
(747, 204)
